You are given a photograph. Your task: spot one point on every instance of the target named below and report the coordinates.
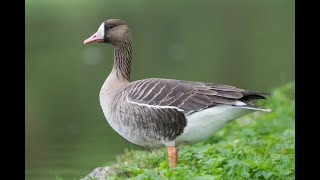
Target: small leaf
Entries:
(217, 170)
(163, 165)
(205, 177)
(245, 174)
(267, 175)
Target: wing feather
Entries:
(187, 95)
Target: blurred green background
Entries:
(249, 44)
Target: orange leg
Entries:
(173, 156)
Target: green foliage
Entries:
(257, 146)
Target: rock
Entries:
(100, 173)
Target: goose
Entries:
(158, 112)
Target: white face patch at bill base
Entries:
(101, 30)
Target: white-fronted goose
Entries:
(164, 112)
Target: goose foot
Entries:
(173, 156)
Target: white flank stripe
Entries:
(253, 108)
(153, 106)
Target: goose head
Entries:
(112, 31)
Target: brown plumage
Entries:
(158, 112)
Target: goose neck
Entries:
(122, 61)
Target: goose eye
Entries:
(110, 26)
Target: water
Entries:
(245, 44)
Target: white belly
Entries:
(204, 124)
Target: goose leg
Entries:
(173, 156)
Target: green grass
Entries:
(257, 146)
